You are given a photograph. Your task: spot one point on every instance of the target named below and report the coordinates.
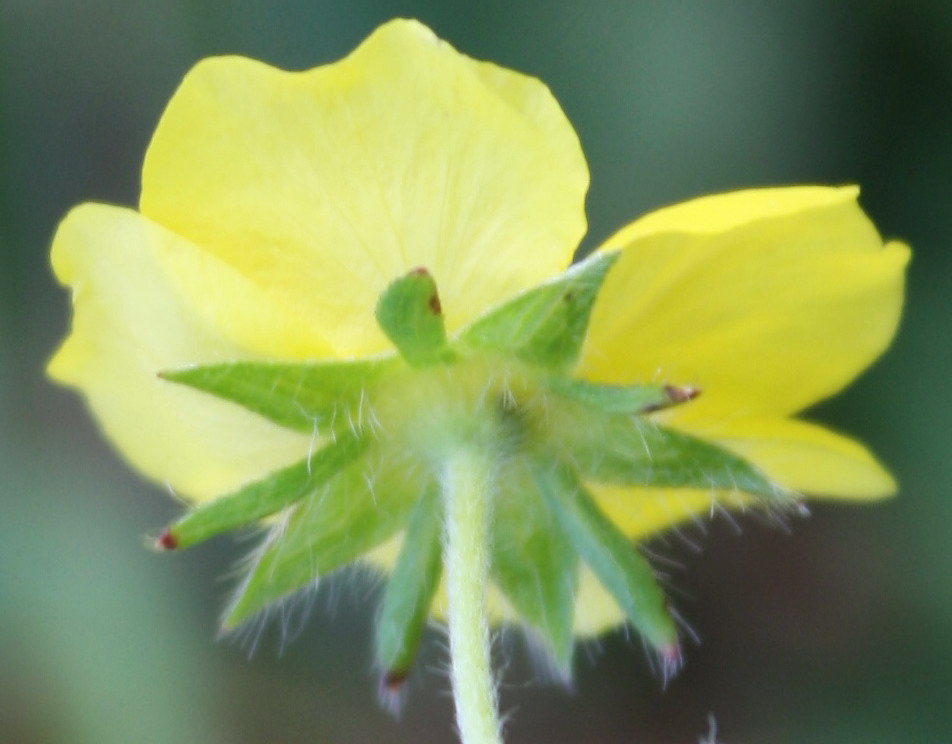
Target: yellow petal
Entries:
(768, 300)
(718, 213)
(642, 512)
(325, 185)
(801, 456)
(596, 611)
(146, 300)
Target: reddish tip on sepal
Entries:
(671, 653)
(681, 393)
(671, 662)
(166, 541)
(433, 302)
(392, 691)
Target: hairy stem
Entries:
(467, 488)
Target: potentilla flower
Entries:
(343, 314)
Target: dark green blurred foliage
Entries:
(838, 632)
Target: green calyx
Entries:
(383, 427)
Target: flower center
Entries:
(476, 402)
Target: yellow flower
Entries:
(277, 207)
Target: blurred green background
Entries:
(838, 632)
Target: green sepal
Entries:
(352, 513)
(620, 398)
(546, 325)
(410, 588)
(303, 397)
(635, 451)
(409, 313)
(262, 498)
(535, 565)
(621, 569)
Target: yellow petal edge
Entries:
(768, 300)
(325, 185)
(146, 300)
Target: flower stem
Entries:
(468, 488)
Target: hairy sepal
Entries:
(352, 513)
(544, 326)
(410, 588)
(624, 572)
(632, 399)
(410, 314)
(636, 451)
(265, 497)
(308, 397)
(535, 565)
